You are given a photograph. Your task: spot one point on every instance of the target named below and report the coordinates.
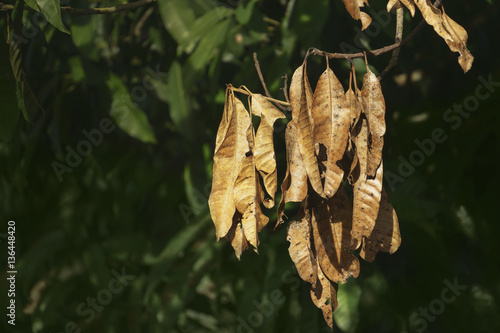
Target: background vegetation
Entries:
(138, 202)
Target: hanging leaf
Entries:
(9, 112)
(294, 186)
(300, 249)
(353, 6)
(331, 116)
(51, 9)
(331, 224)
(236, 236)
(299, 89)
(367, 191)
(452, 32)
(178, 101)
(230, 149)
(324, 296)
(248, 195)
(178, 18)
(395, 4)
(385, 235)
(265, 159)
(130, 118)
(374, 109)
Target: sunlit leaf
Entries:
(452, 32)
(331, 126)
(353, 6)
(51, 9)
(265, 159)
(299, 89)
(300, 249)
(374, 109)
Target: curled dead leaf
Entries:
(294, 186)
(385, 235)
(300, 249)
(324, 296)
(230, 149)
(331, 115)
(374, 109)
(353, 6)
(453, 33)
(332, 224)
(302, 114)
(265, 159)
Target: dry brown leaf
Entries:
(302, 114)
(230, 149)
(332, 224)
(385, 236)
(299, 236)
(324, 296)
(236, 236)
(265, 160)
(374, 108)
(452, 32)
(395, 4)
(367, 192)
(294, 186)
(331, 115)
(248, 193)
(353, 6)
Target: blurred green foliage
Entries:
(132, 197)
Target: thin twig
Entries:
(246, 92)
(285, 87)
(377, 52)
(91, 11)
(399, 36)
(261, 77)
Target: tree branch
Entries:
(91, 11)
(377, 52)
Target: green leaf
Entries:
(126, 114)
(243, 13)
(209, 45)
(347, 314)
(202, 25)
(308, 20)
(9, 113)
(32, 4)
(178, 18)
(51, 9)
(179, 111)
(26, 99)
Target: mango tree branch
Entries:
(91, 11)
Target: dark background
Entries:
(137, 204)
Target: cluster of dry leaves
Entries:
(334, 145)
(453, 33)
